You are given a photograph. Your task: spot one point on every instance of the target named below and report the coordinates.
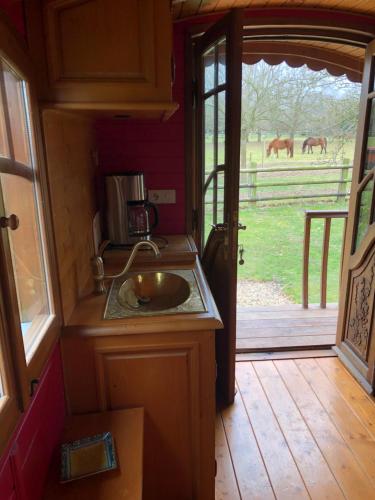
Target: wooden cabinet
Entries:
(170, 375)
(107, 55)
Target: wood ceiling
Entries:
(316, 54)
(183, 9)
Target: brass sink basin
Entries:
(153, 291)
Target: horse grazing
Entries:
(277, 144)
(314, 141)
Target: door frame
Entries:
(317, 24)
(259, 24)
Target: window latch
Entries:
(12, 222)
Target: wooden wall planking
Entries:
(71, 172)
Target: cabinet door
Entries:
(172, 376)
(108, 51)
(164, 380)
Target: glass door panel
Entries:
(214, 123)
(369, 160)
(364, 211)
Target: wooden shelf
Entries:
(125, 482)
(122, 110)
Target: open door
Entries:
(218, 59)
(355, 333)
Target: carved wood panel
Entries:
(361, 307)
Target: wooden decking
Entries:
(285, 327)
(298, 429)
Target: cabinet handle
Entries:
(12, 222)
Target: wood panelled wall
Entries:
(69, 152)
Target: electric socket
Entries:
(162, 196)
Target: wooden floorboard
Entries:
(225, 483)
(280, 328)
(282, 470)
(273, 355)
(299, 428)
(261, 344)
(245, 454)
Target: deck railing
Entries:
(327, 215)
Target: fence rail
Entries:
(327, 215)
(253, 185)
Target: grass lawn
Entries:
(273, 241)
(273, 244)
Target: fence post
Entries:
(305, 261)
(253, 182)
(344, 178)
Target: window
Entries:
(20, 195)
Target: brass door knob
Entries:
(12, 222)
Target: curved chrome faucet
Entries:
(98, 264)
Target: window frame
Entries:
(20, 370)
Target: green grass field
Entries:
(273, 244)
(273, 241)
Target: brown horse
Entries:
(277, 144)
(314, 141)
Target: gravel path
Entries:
(260, 293)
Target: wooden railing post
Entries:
(306, 255)
(323, 275)
(327, 215)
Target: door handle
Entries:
(241, 227)
(241, 252)
(12, 222)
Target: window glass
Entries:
(27, 258)
(209, 134)
(208, 211)
(19, 123)
(221, 128)
(222, 62)
(4, 150)
(369, 162)
(209, 69)
(365, 203)
(220, 197)
(19, 195)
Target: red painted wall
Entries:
(155, 148)
(23, 468)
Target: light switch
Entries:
(162, 196)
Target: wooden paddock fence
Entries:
(252, 185)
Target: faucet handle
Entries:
(97, 267)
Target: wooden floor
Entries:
(285, 327)
(299, 429)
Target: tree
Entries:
(285, 100)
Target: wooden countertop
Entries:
(125, 482)
(87, 318)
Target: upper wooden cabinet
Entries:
(107, 55)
